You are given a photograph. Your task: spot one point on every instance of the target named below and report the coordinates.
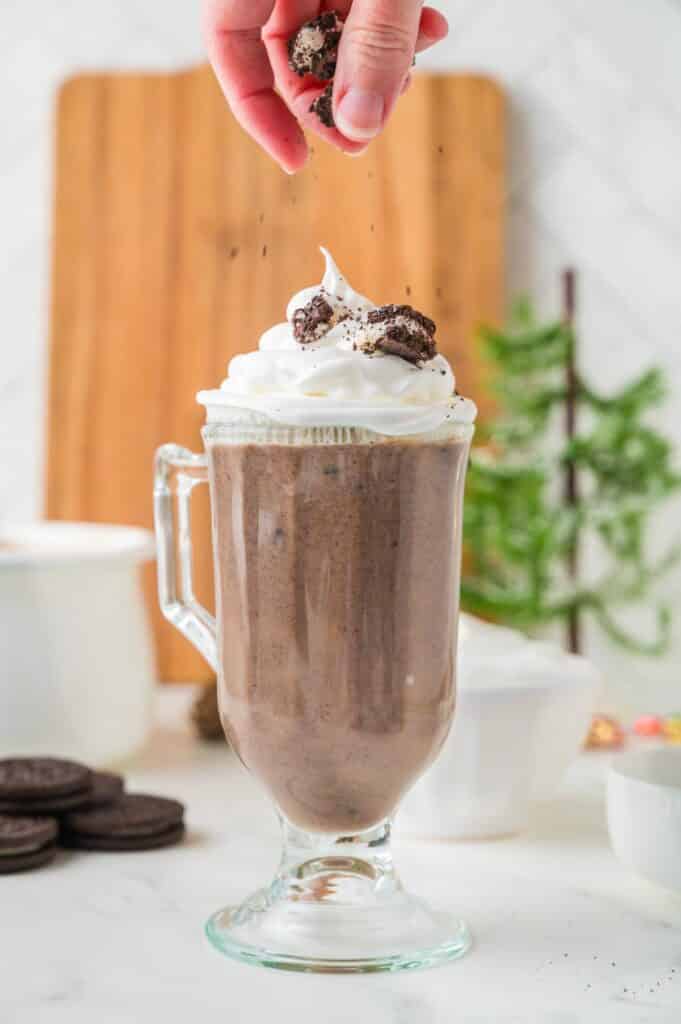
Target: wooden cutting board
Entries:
(177, 242)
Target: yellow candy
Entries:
(672, 728)
(605, 734)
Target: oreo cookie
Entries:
(11, 865)
(136, 821)
(323, 107)
(124, 844)
(401, 331)
(26, 843)
(311, 322)
(42, 785)
(386, 314)
(33, 778)
(106, 788)
(102, 788)
(313, 50)
(47, 805)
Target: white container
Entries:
(77, 668)
(644, 813)
(523, 711)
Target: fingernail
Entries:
(358, 152)
(292, 169)
(359, 114)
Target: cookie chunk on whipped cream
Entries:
(339, 360)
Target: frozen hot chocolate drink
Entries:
(336, 495)
(338, 610)
(336, 457)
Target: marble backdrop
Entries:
(595, 179)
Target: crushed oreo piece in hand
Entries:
(311, 322)
(323, 107)
(313, 50)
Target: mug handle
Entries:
(177, 473)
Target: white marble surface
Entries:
(563, 934)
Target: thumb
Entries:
(376, 52)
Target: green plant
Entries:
(538, 491)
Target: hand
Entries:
(247, 46)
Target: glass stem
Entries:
(331, 868)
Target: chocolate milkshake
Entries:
(336, 489)
(336, 456)
(337, 608)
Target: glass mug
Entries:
(337, 560)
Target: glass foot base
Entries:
(289, 942)
(338, 914)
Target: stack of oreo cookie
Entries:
(26, 843)
(47, 802)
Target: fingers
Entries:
(376, 52)
(375, 56)
(247, 47)
(298, 93)
(432, 29)
(241, 63)
(289, 15)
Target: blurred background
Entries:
(594, 166)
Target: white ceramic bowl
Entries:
(77, 669)
(644, 813)
(523, 711)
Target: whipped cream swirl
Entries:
(333, 381)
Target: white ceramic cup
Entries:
(523, 711)
(644, 813)
(77, 667)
